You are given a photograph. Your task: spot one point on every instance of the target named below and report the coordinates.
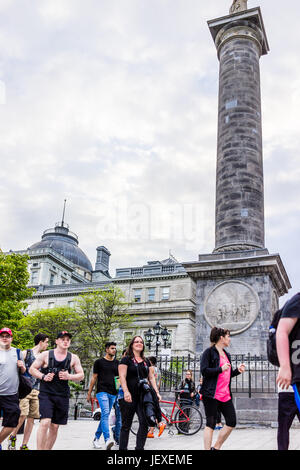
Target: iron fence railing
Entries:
(259, 376)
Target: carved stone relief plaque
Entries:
(233, 305)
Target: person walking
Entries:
(134, 371)
(29, 406)
(217, 373)
(9, 383)
(53, 369)
(287, 411)
(116, 429)
(105, 374)
(157, 376)
(287, 344)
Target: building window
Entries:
(52, 279)
(151, 294)
(51, 304)
(71, 303)
(63, 280)
(165, 293)
(137, 295)
(34, 277)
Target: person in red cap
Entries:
(9, 383)
(53, 369)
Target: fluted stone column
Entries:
(240, 42)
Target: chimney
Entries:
(102, 261)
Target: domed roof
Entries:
(64, 242)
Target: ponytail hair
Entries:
(216, 334)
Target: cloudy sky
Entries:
(112, 104)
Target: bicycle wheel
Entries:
(190, 420)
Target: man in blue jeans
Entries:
(104, 373)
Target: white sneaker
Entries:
(96, 443)
(109, 444)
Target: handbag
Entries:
(25, 384)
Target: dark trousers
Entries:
(287, 410)
(128, 411)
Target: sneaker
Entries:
(109, 444)
(12, 441)
(24, 447)
(162, 427)
(96, 443)
(150, 434)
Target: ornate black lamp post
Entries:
(159, 331)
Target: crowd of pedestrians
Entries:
(131, 386)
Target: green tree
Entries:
(102, 313)
(14, 278)
(51, 321)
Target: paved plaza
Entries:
(78, 435)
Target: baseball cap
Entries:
(6, 330)
(61, 334)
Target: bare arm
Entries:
(123, 374)
(41, 361)
(284, 328)
(153, 381)
(92, 384)
(76, 365)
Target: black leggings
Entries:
(212, 407)
(128, 411)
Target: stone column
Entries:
(240, 42)
(238, 285)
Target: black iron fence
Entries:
(259, 376)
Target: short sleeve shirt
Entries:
(9, 375)
(291, 309)
(107, 371)
(133, 375)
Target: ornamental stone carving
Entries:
(238, 5)
(233, 305)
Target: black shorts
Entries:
(213, 407)
(54, 407)
(9, 405)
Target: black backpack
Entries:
(271, 341)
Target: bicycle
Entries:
(188, 419)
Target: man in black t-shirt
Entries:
(288, 350)
(104, 376)
(288, 343)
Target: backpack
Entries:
(271, 341)
(25, 385)
(51, 361)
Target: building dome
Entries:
(64, 242)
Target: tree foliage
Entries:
(102, 313)
(14, 278)
(51, 321)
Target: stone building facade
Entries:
(158, 291)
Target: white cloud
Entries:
(110, 102)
